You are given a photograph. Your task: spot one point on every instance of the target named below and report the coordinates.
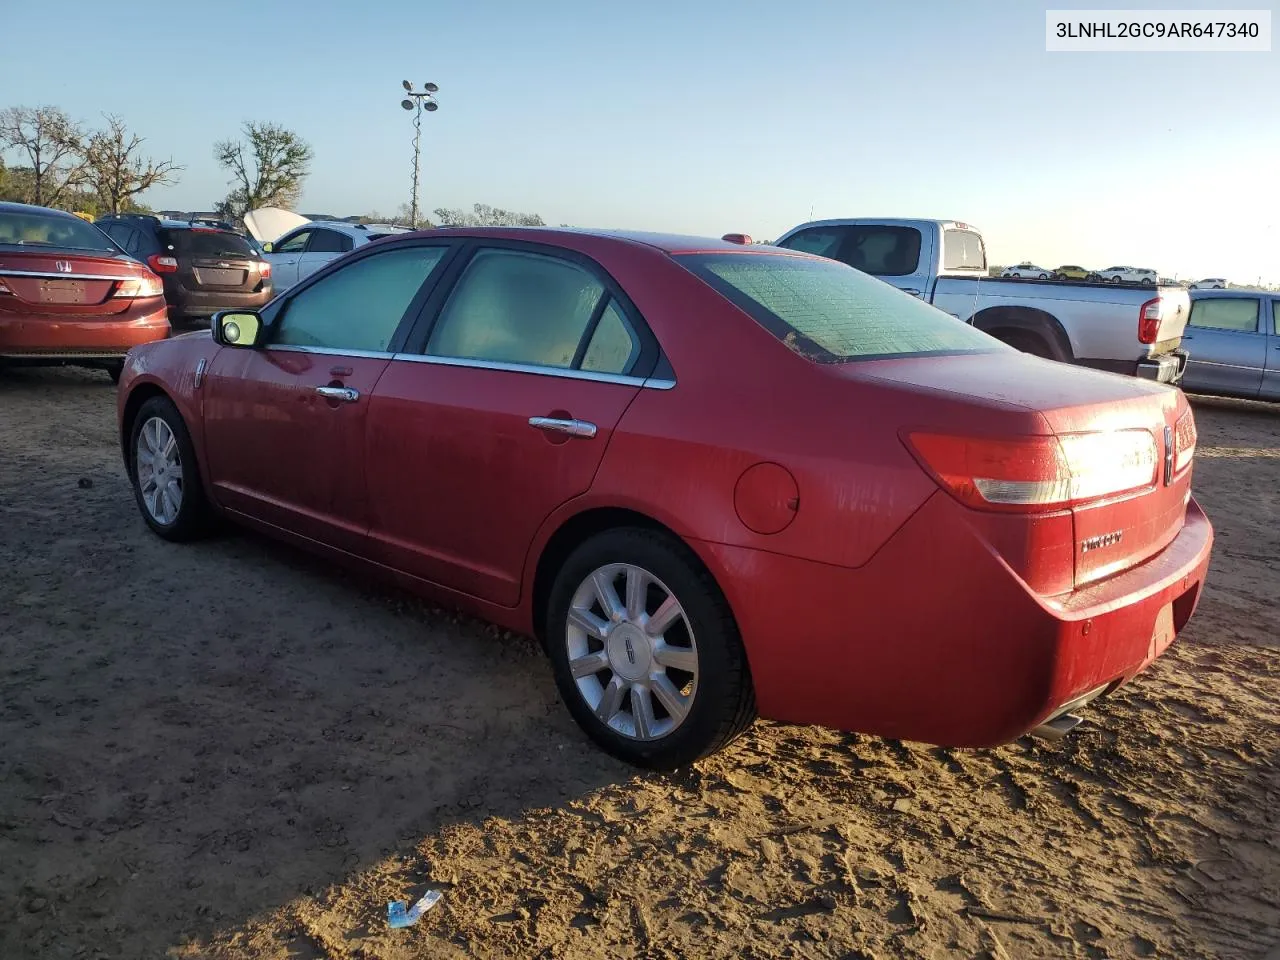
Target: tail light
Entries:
(148, 286)
(1149, 321)
(264, 269)
(1038, 474)
(162, 264)
(1184, 442)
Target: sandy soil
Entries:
(232, 751)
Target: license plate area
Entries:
(62, 291)
(215, 277)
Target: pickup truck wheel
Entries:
(1026, 342)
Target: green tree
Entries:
(483, 215)
(268, 168)
(116, 171)
(51, 146)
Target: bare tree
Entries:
(52, 146)
(115, 170)
(267, 170)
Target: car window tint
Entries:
(828, 313)
(1225, 313)
(329, 241)
(295, 244)
(515, 307)
(359, 306)
(883, 251)
(1275, 317)
(613, 347)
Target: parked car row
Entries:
(1116, 274)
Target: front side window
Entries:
(828, 313)
(360, 306)
(295, 244)
(515, 307)
(1225, 313)
(882, 251)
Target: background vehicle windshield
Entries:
(829, 312)
(36, 229)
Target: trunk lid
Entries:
(1109, 535)
(64, 283)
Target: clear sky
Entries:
(702, 116)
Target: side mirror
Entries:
(268, 247)
(233, 328)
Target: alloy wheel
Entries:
(159, 471)
(632, 652)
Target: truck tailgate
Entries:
(1175, 308)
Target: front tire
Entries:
(166, 479)
(645, 650)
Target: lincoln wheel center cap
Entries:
(630, 652)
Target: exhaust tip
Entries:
(1057, 728)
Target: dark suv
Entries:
(205, 267)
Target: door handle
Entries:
(911, 290)
(573, 428)
(345, 394)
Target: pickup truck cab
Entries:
(1234, 338)
(1134, 330)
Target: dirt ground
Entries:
(229, 750)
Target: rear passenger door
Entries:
(1227, 345)
(498, 411)
(1271, 375)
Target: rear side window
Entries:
(329, 241)
(828, 313)
(515, 307)
(207, 243)
(962, 250)
(1225, 313)
(882, 251)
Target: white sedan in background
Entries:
(297, 247)
(1026, 271)
(1140, 275)
(1210, 283)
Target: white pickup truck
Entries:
(1135, 330)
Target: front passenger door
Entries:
(285, 422)
(284, 259)
(325, 246)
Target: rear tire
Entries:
(652, 720)
(1027, 343)
(164, 474)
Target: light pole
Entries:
(418, 101)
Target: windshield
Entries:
(209, 243)
(56, 231)
(829, 312)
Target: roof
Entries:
(9, 207)
(666, 242)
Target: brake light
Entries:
(1039, 473)
(162, 264)
(264, 269)
(742, 238)
(1184, 442)
(148, 286)
(1149, 321)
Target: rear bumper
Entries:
(1164, 368)
(193, 303)
(937, 640)
(59, 339)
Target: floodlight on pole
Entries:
(418, 101)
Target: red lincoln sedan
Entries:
(69, 295)
(715, 480)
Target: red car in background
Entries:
(69, 294)
(716, 480)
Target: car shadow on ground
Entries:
(196, 734)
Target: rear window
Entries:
(883, 251)
(208, 243)
(829, 313)
(36, 229)
(962, 250)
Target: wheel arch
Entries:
(1027, 321)
(133, 403)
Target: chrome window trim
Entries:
(651, 383)
(328, 351)
(64, 276)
